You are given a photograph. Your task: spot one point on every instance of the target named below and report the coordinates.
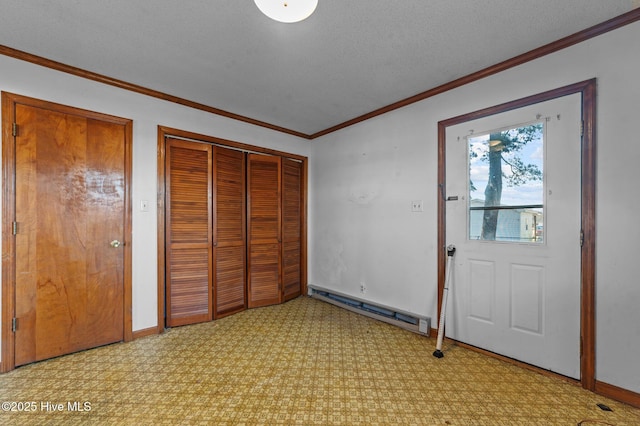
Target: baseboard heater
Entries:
(412, 322)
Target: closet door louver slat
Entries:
(229, 232)
(291, 228)
(264, 230)
(188, 232)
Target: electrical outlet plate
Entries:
(416, 206)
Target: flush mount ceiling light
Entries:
(287, 10)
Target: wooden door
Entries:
(291, 228)
(229, 232)
(264, 235)
(189, 235)
(70, 197)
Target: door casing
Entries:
(587, 89)
(9, 102)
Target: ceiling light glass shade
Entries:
(287, 10)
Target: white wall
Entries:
(363, 179)
(147, 113)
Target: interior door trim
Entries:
(9, 102)
(587, 89)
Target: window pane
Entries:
(506, 188)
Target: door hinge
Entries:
(14, 129)
(581, 238)
(581, 128)
(15, 228)
(581, 346)
(14, 324)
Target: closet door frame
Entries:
(165, 132)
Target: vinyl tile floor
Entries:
(305, 362)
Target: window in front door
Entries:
(506, 185)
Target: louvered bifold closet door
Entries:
(229, 233)
(291, 227)
(264, 230)
(189, 233)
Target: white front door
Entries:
(515, 282)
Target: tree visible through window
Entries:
(506, 188)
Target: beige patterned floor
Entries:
(304, 362)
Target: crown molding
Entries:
(596, 30)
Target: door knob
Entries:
(115, 243)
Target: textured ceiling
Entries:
(349, 58)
